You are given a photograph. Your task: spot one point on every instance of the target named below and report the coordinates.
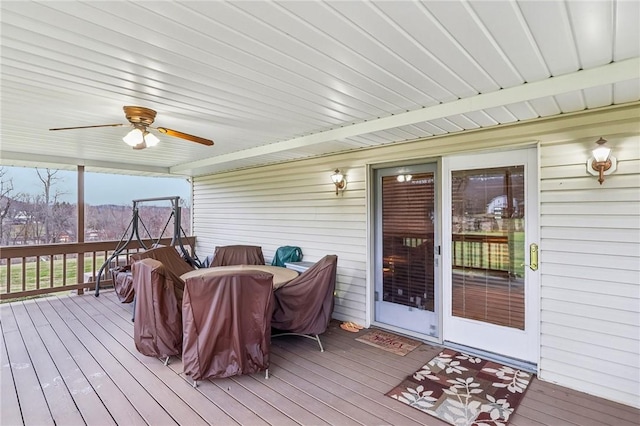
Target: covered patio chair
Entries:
(304, 305)
(168, 255)
(158, 292)
(237, 255)
(226, 324)
(123, 283)
(157, 329)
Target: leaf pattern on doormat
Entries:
(464, 390)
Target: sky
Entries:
(102, 188)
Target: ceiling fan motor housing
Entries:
(139, 115)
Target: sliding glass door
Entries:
(491, 283)
(405, 290)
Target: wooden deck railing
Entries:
(39, 269)
(482, 251)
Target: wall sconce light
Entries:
(339, 180)
(601, 163)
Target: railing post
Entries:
(80, 229)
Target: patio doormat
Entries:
(389, 342)
(464, 390)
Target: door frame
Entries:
(532, 278)
(372, 249)
(404, 314)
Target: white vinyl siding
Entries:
(289, 204)
(589, 248)
(590, 269)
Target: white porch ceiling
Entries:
(275, 81)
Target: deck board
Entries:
(349, 388)
(9, 415)
(87, 402)
(115, 402)
(33, 404)
(72, 360)
(111, 337)
(121, 374)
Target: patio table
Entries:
(281, 275)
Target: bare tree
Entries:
(62, 222)
(6, 190)
(26, 228)
(50, 199)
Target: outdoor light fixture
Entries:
(404, 178)
(602, 163)
(140, 138)
(338, 180)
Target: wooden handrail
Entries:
(17, 258)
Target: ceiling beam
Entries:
(12, 158)
(579, 80)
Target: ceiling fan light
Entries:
(134, 137)
(150, 139)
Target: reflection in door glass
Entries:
(488, 245)
(408, 232)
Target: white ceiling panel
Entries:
(592, 24)
(508, 28)
(626, 91)
(501, 114)
(546, 106)
(392, 135)
(429, 32)
(409, 20)
(408, 132)
(627, 30)
(461, 21)
(355, 143)
(549, 23)
(600, 96)
(431, 129)
(374, 35)
(273, 81)
(325, 48)
(368, 140)
(463, 122)
(571, 102)
(522, 111)
(481, 118)
(446, 125)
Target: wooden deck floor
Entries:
(70, 360)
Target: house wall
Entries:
(590, 269)
(590, 320)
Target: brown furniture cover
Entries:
(157, 328)
(123, 279)
(281, 276)
(237, 255)
(168, 255)
(304, 305)
(226, 324)
(123, 283)
(158, 305)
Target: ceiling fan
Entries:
(141, 119)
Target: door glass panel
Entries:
(408, 204)
(488, 245)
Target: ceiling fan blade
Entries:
(186, 136)
(88, 127)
